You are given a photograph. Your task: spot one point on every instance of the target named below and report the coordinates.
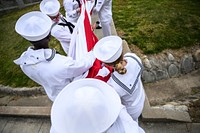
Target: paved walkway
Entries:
(42, 125)
(31, 114)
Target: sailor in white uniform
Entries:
(126, 78)
(72, 9)
(104, 10)
(90, 106)
(62, 29)
(41, 63)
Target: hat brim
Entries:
(56, 8)
(58, 108)
(108, 49)
(19, 26)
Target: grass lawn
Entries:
(152, 25)
(11, 47)
(156, 25)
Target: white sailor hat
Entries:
(33, 26)
(85, 106)
(50, 7)
(108, 49)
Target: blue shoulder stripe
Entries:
(130, 91)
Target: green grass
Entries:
(11, 47)
(152, 25)
(156, 25)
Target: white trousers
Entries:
(106, 28)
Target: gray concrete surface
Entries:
(10, 124)
(31, 114)
(24, 125)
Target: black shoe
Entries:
(97, 25)
(97, 22)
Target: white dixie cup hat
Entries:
(85, 106)
(108, 49)
(50, 7)
(33, 26)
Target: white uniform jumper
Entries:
(62, 31)
(51, 70)
(129, 86)
(125, 124)
(71, 7)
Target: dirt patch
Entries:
(194, 111)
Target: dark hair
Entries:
(43, 43)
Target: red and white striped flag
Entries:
(83, 40)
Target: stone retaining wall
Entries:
(168, 66)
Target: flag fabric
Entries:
(83, 40)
